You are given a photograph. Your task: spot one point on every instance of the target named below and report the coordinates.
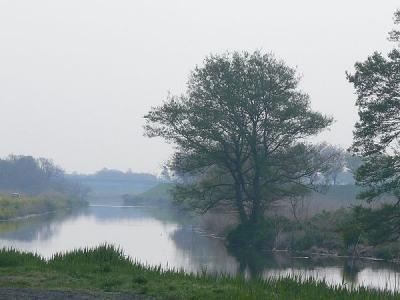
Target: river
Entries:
(154, 236)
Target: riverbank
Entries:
(106, 269)
(19, 207)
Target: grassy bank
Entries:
(106, 269)
(11, 207)
(158, 195)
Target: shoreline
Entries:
(13, 209)
(31, 215)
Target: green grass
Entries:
(158, 195)
(11, 207)
(106, 268)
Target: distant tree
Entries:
(338, 164)
(240, 134)
(49, 169)
(29, 175)
(26, 174)
(377, 134)
(352, 162)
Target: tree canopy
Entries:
(376, 136)
(377, 140)
(240, 133)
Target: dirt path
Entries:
(39, 294)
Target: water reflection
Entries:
(201, 252)
(40, 227)
(334, 271)
(156, 237)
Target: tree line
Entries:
(33, 176)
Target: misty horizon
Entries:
(77, 78)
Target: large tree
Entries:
(240, 133)
(377, 134)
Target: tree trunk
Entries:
(256, 213)
(239, 203)
(239, 190)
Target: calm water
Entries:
(153, 236)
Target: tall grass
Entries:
(14, 258)
(106, 268)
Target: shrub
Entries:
(261, 235)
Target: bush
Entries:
(305, 240)
(262, 235)
(387, 251)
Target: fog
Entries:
(76, 77)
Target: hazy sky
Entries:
(77, 76)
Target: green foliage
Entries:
(345, 230)
(238, 132)
(15, 258)
(106, 257)
(388, 251)
(261, 235)
(306, 240)
(351, 234)
(380, 175)
(338, 232)
(376, 137)
(281, 233)
(377, 85)
(84, 270)
(320, 231)
(379, 225)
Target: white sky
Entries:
(77, 76)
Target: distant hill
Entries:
(107, 182)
